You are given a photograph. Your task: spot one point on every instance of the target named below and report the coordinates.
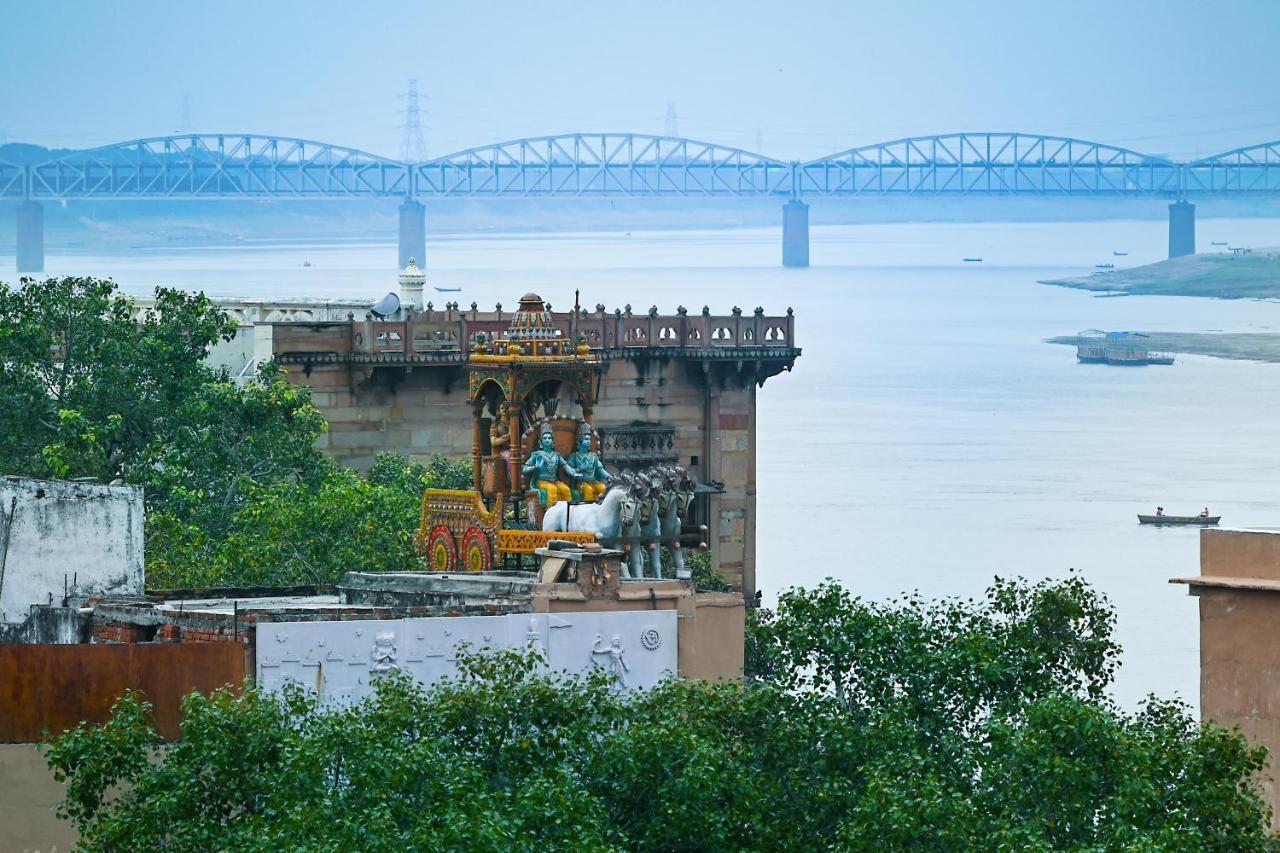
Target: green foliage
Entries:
(86, 389)
(705, 576)
(977, 725)
(303, 530)
(236, 492)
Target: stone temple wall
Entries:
(421, 408)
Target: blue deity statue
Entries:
(593, 479)
(543, 466)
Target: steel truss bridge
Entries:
(249, 166)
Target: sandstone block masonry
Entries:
(679, 388)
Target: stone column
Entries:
(30, 222)
(413, 233)
(1182, 229)
(795, 234)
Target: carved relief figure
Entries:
(383, 656)
(614, 658)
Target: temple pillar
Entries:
(1182, 229)
(30, 222)
(795, 234)
(413, 233)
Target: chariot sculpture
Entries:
(537, 472)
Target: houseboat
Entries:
(1094, 346)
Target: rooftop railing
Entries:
(455, 329)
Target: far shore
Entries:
(1252, 274)
(1243, 346)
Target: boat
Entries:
(972, 260)
(1125, 349)
(1218, 243)
(448, 290)
(1121, 254)
(1193, 520)
(1104, 266)
(306, 263)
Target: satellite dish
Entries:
(386, 306)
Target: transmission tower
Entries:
(413, 148)
(671, 126)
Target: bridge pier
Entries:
(795, 234)
(30, 222)
(413, 233)
(1182, 229)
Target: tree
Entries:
(908, 725)
(236, 492)
(85, 387)
(301, 530)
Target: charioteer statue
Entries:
(593, 479)
(544, 465)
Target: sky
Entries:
(793, 80)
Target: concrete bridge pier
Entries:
(1182, 229)
(30, 237)
(795, 234)
(413, 233)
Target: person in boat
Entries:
(594, 479)
(1159, 510)
(1204, 513)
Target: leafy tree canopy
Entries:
(980, 725)
(236, 491)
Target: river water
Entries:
(927, 439)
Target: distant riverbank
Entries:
(1242, 346)
(1245, 275)
(1249, 275)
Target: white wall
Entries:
(54, 532)
(340, 659)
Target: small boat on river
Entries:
(1193, 520)
(972, 260)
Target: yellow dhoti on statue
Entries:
(592, 491)
(556, 491)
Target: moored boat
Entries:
(1094, 346)
(1195, 520)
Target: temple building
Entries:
(676, 388)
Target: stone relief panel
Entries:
(341, 660)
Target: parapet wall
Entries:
(60, 538)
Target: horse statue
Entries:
(608, 519)
(678, 487)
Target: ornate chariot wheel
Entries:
(441, 553)
(477, 552)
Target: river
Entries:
(927, 439)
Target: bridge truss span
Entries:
(618, 164)
(218, 166)
(988, 164)
(12, 180)
(1251, 170)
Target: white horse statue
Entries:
(606, 519)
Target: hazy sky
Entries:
(797, 79)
